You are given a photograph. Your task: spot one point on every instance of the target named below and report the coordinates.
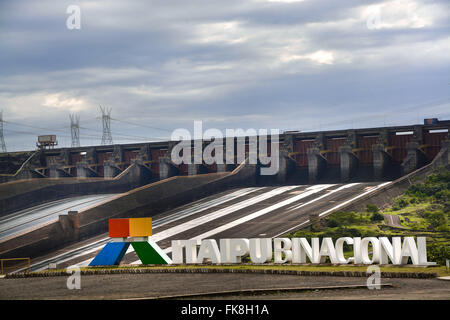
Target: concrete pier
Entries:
(348, 159)
(285, 166)
(381, 160)
(317, 163)
(349, 163)
(194, 169)
(380, 157)
(56, 171)
(415, 157)
(166, 168)
(84, 171)
(110, 169)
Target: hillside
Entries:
(423, 210)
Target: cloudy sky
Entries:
(159, 65)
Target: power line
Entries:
(75, 124)
(36, 134)
(105, 134)
(384, 114)
(34, 127)
(82, 136)
(141, 125)
(116, 134)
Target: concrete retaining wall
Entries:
(144, 201)
(22, 194)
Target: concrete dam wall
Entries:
(372, 154)
(144, 201)
(20, 194)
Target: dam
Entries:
(55, 203)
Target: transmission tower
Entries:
(106, 119)
(75, 129)
(2, 139)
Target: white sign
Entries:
(370, 250)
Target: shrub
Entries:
(369, 233)
(443, 195)
(436, 187)
(343, 218)
(447, 207)
(401, 202)
(421, 213)
(353, 232)
(332, 223)
(437, 220)
(438, 253)
(377, 217)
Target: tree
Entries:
(438, 253)
(376, 216)
(437, 220)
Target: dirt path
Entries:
(393, 220)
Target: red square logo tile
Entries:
(119, 228)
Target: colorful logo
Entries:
(134, 231)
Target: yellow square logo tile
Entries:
(140, 227)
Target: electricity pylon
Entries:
(75, 129)
(106, 119)
(2, 139)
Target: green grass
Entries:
(423, 210)
(440, 270)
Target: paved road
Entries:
(156, 285)
(23, 221)
(245, 212)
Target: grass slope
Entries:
(423, 210)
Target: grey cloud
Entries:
(147, 62)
